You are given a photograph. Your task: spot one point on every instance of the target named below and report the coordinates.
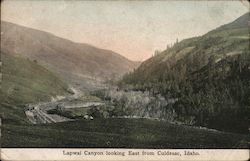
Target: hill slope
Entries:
(73, 61)
(240, 22)
(23, 82)
(194, 53)
(209, 75)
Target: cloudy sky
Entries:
(134, 29)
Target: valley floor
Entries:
(118, 133)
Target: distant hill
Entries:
(76, 62)
(210, 76)
(194, 53)
(24, 81)
(240, 22)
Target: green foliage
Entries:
(210, 76)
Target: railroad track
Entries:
(42, 116)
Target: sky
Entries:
(134, 29)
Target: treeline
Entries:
(211, 81)
(218, 96)
(136, 104)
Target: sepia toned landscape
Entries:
(192, 90)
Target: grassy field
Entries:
(117, 133)
(26, 81)
(23, 82)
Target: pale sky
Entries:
(134, 29)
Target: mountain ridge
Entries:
(240, 22)
(75, 42)
(78, 63)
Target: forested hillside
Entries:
(209, 75)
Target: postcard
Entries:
(125, 80)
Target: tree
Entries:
(211, 63)
(157, 52)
